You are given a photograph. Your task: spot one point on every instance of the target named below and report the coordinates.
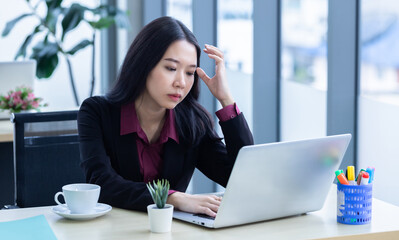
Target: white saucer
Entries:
(99, 210)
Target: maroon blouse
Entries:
(150, 153)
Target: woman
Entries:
(150, 125)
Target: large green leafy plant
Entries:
(50, 34)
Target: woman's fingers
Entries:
(209, 209)
(209, 212)
(201, 73)
(209, 205)
(205, 204)
(218, 83)
(216, 58)
(213, 50)
(213, 207)
(215, 200)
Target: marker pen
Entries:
(350, 171)
(341, 177)
(340, 171)
(365, 179)
(371, 173)
(361, 170)
(359, 177)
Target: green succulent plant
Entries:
(159, 192)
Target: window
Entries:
(181, 10)
(235, 39)
(378, 114)
(304, 68)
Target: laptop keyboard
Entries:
(204, 216)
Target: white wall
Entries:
(378, 145)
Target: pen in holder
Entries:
(354, 203)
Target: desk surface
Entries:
(125, 224)
(6, 131)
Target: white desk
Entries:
(124, 224)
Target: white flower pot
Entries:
(160, 218)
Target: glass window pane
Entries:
(235, 39)
(303, 68)
(380, 49)
(181, 10)
(379, 96)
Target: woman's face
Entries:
(172, 78)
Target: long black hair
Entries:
(147, 49)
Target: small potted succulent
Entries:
(160, 214)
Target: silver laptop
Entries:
(16, 74)
(276, 180)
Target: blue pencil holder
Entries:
(354, 203)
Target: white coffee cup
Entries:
(80, 198)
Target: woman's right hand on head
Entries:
(203, 204)
(218, 83)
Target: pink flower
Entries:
(31, 96)
(22, 98)
(16, 94)
(35, 104)
(17, 100)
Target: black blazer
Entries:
(111, 160)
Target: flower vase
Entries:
(160, 218)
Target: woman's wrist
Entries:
(226, 102)
(175, 198)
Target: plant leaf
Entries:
(52, 4)
(158, 201)
(120, 17)
(79, 46)
(28, 39)
(10, 25)
(46, 66)
(152, 191)
(104, 22)
(72, 18)
(159, 192)
(46, 56)
(52, 18)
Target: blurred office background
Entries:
(297, 69)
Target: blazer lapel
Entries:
(125, 150)
(173, 161)
(128, 161)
